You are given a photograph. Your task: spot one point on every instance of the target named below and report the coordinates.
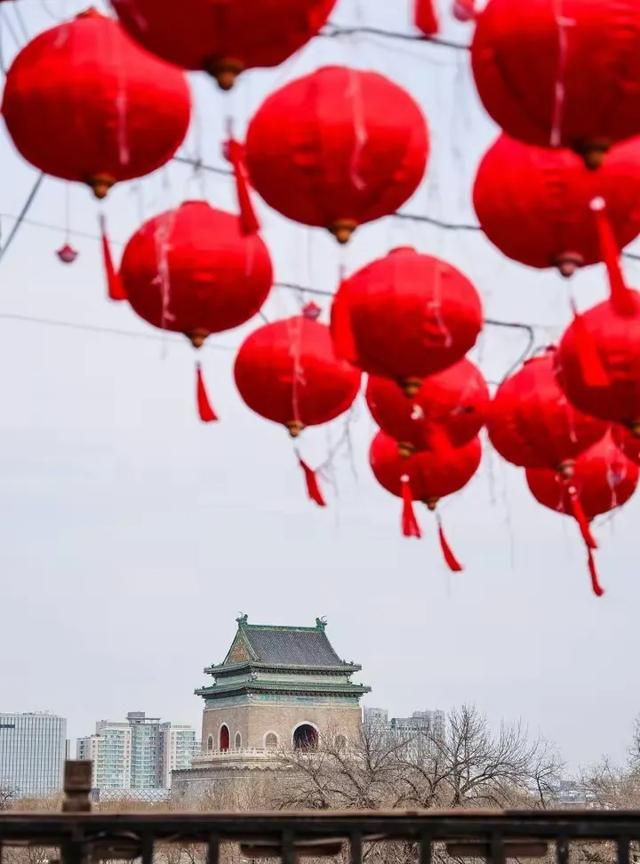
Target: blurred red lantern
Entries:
(532, 424)
(192, 270)
(604, 478)
(549, 222)
(337, 148)
(83, 102)
(287, 372)
(223, 37)
(406, 316)
(452, 403)
(598, 362)
(427, 476)
(561, 75)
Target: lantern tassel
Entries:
(234, 153)
(425, 17)
(205, 411)
(311, 479)
(579, 515)
(115, 288)
(597, 588)
(452, 562)
(622, 299)
(593, 372)
(341, 332)
(410, 526)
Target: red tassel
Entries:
(115, 287)
(313, 489)
(451, 560)
(341, 333)
(205, 411)
(425, 17)
(575, 506)
(622, 299)
(234, 153)
(593, 372)
(410, 527)
(597, 588)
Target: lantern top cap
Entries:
(400, 249)
(90, 12)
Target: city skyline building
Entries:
(33, 747)
(138, 753)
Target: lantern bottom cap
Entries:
(294, 427)
(342, 229)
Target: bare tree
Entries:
(466, 765)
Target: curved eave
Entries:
(233, 668)
(268, 687)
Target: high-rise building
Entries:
(32, 752)
(137, 753)
(420, 721)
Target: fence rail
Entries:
(82, 836)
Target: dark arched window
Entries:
(238, 741)
(305, 737)
(340, 742)
(224, 738)
(210, 742)
(271, 741)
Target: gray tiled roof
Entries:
(298, 646)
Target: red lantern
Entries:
(406, 316)
(561, 75)
(604, 479)
(192, 270)
(452, 403)
(83, 102)
(223, 37)
(287, 372)
(426, 476)
(598, 362)
(337, 148)
(549, 223)
(532, 424)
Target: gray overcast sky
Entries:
(132, 536)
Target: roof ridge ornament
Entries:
(242, 619)
(321, 623)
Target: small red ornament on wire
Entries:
(67, 254)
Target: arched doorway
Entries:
(224, 738)
(305, 737)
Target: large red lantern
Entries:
(192, 270)
(452, 403)
(406, 316)
(337, 148)
(549, 223)
(427, 476)
(532, 424)
(223, 37)
(561, 74)
(604, 478)
(287, 371)
(84, 102)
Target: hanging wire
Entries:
(21, 216)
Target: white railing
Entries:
(233, 753)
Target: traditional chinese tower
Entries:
(277, 688)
